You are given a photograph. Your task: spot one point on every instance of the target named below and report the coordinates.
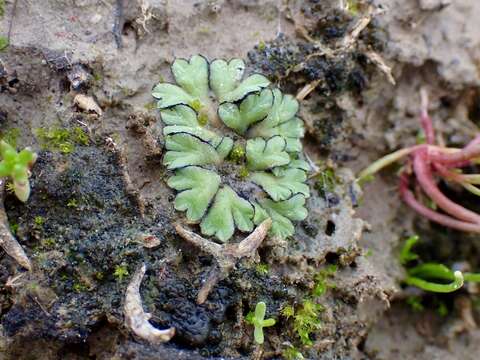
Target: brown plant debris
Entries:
(136, 319)
(226, 255)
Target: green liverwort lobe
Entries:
(233, 145)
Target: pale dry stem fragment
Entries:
(87, 103)
(7, 241)
(136, 319)
(226, 256)
(307, 89)
(380, 63)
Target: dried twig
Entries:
(380, 63)
(307, 89)
(136, 319)
(225, 255)
(7, 240)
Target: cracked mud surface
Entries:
(96, 204)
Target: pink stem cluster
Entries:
(430, 162)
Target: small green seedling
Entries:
(406, 253)
(433, 277)
(257, 319)
(17, 166)
(121, 271)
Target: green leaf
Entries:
(282, 214)
(183, 119)
(254, 108)
(268, 322)
(281, 121)
(282, 187)
(16, 166)
(299, 164)
(228, 210)
(224, 147)
(266, 154)
(185, 149)
(260, 310)
(180, 115)
(3, 43)
(258, 335)
(198, 187)
(253, 83)
(224, 77)
(406, 253)
(292, 131)
(169, 95)
(192, 75)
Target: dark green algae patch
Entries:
(79, 227)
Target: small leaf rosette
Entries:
(17, 166)
(234, 148)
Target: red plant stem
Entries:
(472, 150)
(447, 174)
(426, 120)
(409, 199)
(425, 179)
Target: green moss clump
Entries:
(72, 203)
(10, 136)
(237, 154)
(61, 139)
(121, 271)
(325, 182)
(306, 315)
(3, 43)
(39, 221)
(262, 269)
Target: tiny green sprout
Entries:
(72, 203)
(3, 43)
(326, 181)
(17, 167)
(13, 228)
(257, 319)
(321, 280)
(415, 303)
(48, 242)
(432, 277)
(120, 272)
(442, 309)
(39, 220)
(406, 254)
(262, 269)
(287, 311)
(292, 353)
(79, 287)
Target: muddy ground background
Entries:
(94, 202)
